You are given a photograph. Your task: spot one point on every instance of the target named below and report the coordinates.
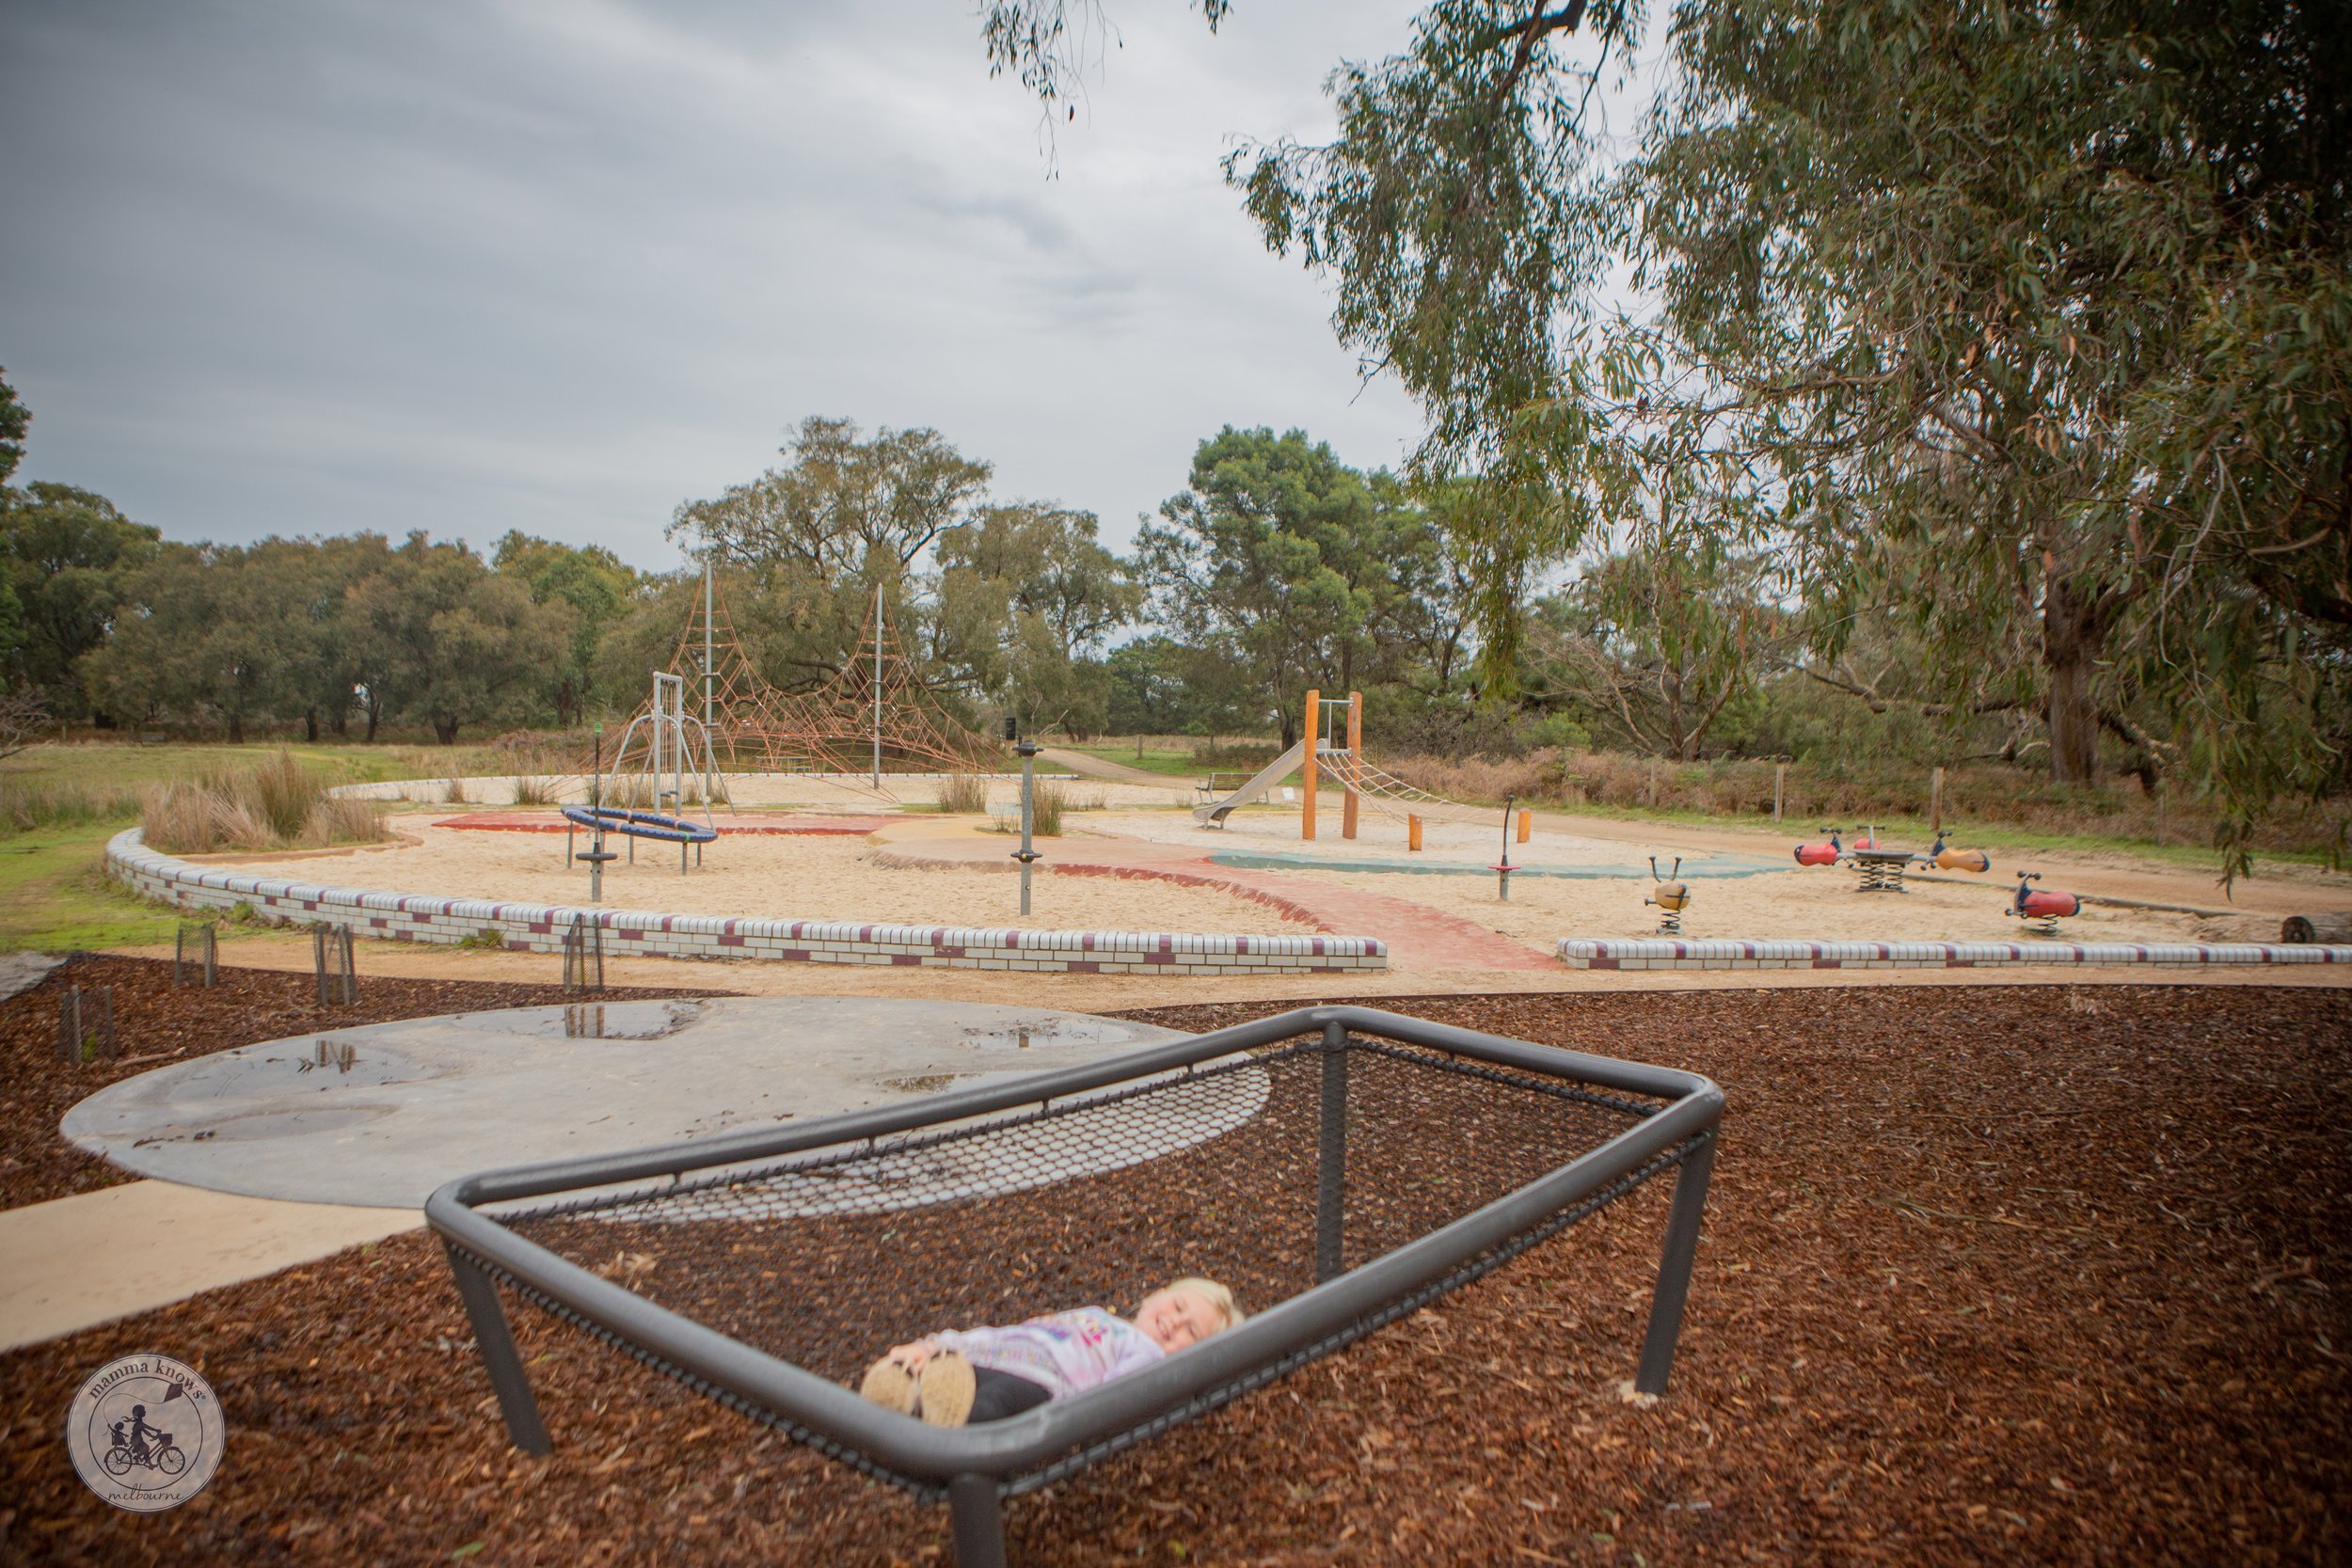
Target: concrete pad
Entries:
(22, 971)
(74, 1262)
(383, 1113)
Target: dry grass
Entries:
(454, 793)
(26, 804)
(964, 795)
(536, 789)
(273, 805)
(1047, 802)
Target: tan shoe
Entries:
(890, 1385)
(947, 1387)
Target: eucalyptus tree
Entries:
(2031, 320)
(1024, 597)
(2031, 325)
(811, 540)
(1301, 569)
(597, 585)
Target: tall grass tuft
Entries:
(280, 795)
(964, 795)
(454, 793)
(274, 805)
(1045, 809)
(26, 805)
(534, 789)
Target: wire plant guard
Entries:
(1340, 1168)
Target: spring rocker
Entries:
(1672, 895)
(1828, 853)
(1944, 859)
(2043, 908)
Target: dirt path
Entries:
(1117, 772)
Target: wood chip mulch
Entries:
(2012, 1275)
(157, 1023)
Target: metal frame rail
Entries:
(976, 1467)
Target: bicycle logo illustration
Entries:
(146, 1433)
(146, 1448)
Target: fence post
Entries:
(1653, 784)
(1780, 780)
(1331, 1163)
(1935, 803)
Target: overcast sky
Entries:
(303, 266)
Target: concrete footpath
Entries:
(75, 1262)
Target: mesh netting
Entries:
(827, 1259)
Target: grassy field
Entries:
(1175, 764)
(55, 895)
(59, 805)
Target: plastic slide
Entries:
(1272, 773)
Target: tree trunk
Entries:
(311, 725)
(2072, 631)
(445, 731)
(236, 729)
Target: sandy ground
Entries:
(777, 878)
(1808, 904)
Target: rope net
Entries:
(826, 1260)
(1392, 797)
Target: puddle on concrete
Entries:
(628, 1021)
(329, 1063)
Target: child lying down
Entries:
(988, 1374)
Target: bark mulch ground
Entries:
(2011, 1275)
(156, 1023)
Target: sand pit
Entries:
(793, 878)
(1568, 890)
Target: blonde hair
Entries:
(1216, 1295)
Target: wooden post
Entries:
(1527, 824)
(1412, 832)
(1780, 780)
(1935, 803)
(1653, 782)
(1306, 806)
(1355, 763)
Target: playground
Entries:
(1427, 1178)
(1973, 1307)
(1417, 875)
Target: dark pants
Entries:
(998, 1396)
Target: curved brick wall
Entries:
(1665, 952)
(535, 927)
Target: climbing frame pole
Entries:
(1355, 763)
(1307, 807)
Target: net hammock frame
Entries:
(1674, 1125)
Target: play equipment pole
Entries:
(878, 634)
(1355, 763)
(1306, 814)
(1027, 749)
(710, 662)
